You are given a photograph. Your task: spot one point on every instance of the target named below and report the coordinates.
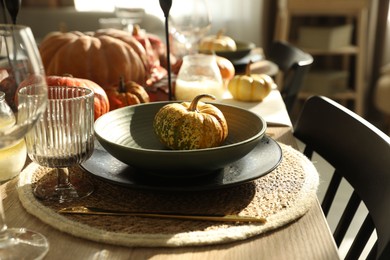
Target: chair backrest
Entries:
(294, 63)
(360, 153)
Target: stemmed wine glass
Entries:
(129, 16)
(63, 137)
(189, 21)
(24, 86)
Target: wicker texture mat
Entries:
(282, 196)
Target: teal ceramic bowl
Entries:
(127, 134)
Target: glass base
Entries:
(21, 243)
(47, 188)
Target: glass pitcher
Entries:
(199, 74)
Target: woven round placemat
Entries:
(281, 197)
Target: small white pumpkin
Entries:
(219, 42)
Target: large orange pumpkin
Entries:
(102, 56)
(101, 103)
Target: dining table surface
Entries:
(307, 237)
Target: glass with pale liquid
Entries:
(199, 74)
(13, 157)
(12, 160)
(24, 91)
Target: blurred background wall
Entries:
(249, 20)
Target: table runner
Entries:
(272, 108)
(282, 196)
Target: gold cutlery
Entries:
(99, 211)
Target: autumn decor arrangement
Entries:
(190, 125)
(122, 68)
(250, 87)
(140, 59)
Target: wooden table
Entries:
(306, 238)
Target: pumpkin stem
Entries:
(194, 102)
(63, 27)
(248, 68)
(220, 33)
(136, 30)
(67, 75)
(122, 85)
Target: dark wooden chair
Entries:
(360, 153)
(294, 65)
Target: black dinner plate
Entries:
(264, 158)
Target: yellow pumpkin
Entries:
(187, 126)
(219, 42)
(250, 87)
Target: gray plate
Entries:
(264, 158)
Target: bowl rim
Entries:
(242, 47)
(258, 135)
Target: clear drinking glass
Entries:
(22, 80)
(128, 15)
(189, 21)
(63, 137)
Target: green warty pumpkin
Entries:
(187, 126)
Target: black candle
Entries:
(166, 6)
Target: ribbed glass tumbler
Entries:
(62, 138)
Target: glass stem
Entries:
(63, 177)
(3, 225)
(189, 48)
